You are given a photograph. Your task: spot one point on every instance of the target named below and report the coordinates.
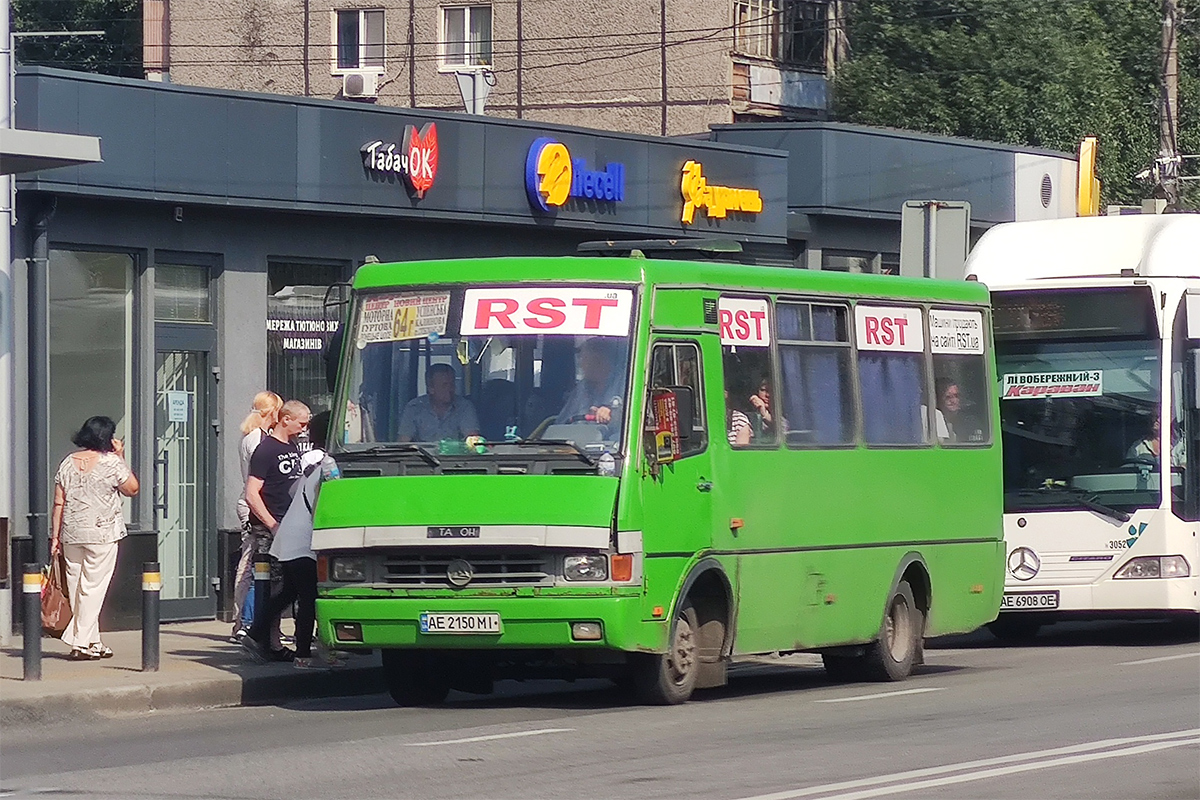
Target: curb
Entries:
(225, 691)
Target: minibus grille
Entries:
(489, 569)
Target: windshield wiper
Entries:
(392, 449)
(578, 451)
(1086, 499)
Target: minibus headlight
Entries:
(348, 569)
(590, 567)
(1154, 567)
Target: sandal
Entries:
(83, 654)
(100, 650)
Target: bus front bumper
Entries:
(525, 622)
(1109, 597)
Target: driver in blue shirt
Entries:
(440, 414)
(598, 397)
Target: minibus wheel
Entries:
(415, 677)
(667, 679)
(892, 655)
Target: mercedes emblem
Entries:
(1023, 564)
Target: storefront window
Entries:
(91, 343)
(298, 331)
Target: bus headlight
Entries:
(590, 567)
(348, 569)
(1154, 567)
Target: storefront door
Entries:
(185, 443)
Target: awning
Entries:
(27, 151)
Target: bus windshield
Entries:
(1079, 413)
(454, 369)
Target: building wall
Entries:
(594, 64)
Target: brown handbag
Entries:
(56, 608)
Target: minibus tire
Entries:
(667, 679)
(415, 677)
(892, 655)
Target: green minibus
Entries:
(644, 469)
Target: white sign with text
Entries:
(744, 321)
(889, 328)
(557, 311)
(959, 332)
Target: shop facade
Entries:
(167, 285)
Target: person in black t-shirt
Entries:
(274, 467)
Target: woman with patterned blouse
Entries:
(87, 522)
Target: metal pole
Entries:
(31, 590)
(151, 590)
(262, 589)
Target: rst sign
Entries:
(889, 328)
(562, 311)
(744, 321)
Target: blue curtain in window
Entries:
(892, 389)
(815, 404)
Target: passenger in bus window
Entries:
(947, 410)
(737, 424)
(440, 413)
(760, 401)
(598, 397)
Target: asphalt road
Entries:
(1087, 711)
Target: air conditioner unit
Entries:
(360, 85)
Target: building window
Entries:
(299, 331)
(788, 31)
(467, 36)
(91, 347)
(181, 294)
(360, 39)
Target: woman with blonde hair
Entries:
(87, 523)
(263, 417)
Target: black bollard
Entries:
(262, 586)
(151, 590)
(31, 589)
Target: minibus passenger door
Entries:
(677, 484)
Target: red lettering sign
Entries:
(564, 311)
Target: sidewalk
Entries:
(198, 668)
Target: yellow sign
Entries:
(698, 193)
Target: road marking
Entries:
(1160, 658)
(878, 695)
(1176, 738)
(491, 737)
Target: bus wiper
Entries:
(579, 451)
(1086, 499)
(403, 447)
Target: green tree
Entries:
(117, 52)
(1037, 73)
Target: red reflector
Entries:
(322, 569)
(658, 611)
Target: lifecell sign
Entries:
(552, 177)
(744, 321)
(889, 328)
(562, 311)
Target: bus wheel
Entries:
(415, 677)
(891, 657)
(668, 679)
(1014, 628)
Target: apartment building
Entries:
(666, 67)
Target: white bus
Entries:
(1097, 334)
